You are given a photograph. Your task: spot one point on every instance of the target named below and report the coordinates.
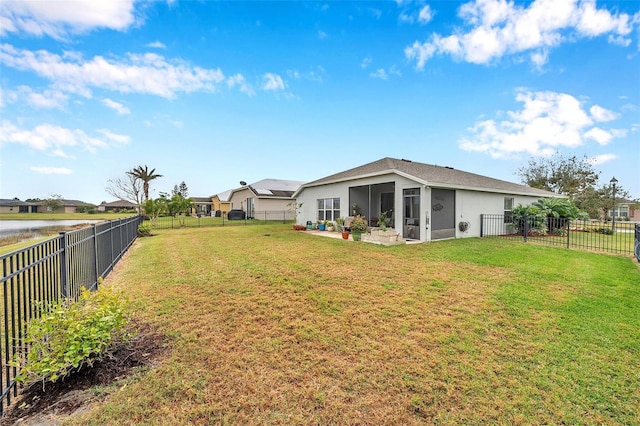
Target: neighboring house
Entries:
(15, 206)
(422, 201)
(221, 202)
(626, 209)
(268, 199)
(202, 206)
(67, 206)
(116, 206)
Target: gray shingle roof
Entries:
(434, 176)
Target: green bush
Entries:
(605, 231)
(70, 335)
(144, 230)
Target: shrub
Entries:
(70, 335)
(358, 225)
(605, 231)
(144, 230)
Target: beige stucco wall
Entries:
(8, 209)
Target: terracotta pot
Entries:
(345, 235)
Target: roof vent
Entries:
(448, 167)
(405, 160)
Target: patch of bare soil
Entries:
(50, 404)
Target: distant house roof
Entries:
(276, 188)
(224, 196)
(432, 175)
(119, 203)
(202, 200)
(12, 203)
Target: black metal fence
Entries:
(619, 238)
(256, 218)
(48, 271)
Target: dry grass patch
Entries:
(272, 326)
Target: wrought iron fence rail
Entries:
(619, 238)
(47, 271)
(256, 217)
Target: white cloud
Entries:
(116, 106)
(546, 122)
(313, 74)
(603, 158)
(601, 114)
(46, 99)
(115, 137)
(51, 170)
(365, 62)
(64, 17)
(47, 137)
(272, 82)
(425, 15)
(157, 45)
(379, 73)
(239, 81)
(322, 35)
(384, 74)
(495, 28)
(147, 73)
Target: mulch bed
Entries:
(39, 404)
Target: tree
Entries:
(574, 177)
(563, 175)
(53, 203)
(128, 188)
(146, 176)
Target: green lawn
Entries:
(266, 325)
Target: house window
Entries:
(620, 211)
(508, 206)
(328, 209)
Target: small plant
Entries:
(358, 225)
(70, 335)
(382, 220)
(144, 230)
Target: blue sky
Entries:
(212, 93)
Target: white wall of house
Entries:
(471, 204)
(309, 196)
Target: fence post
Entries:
(526, 227)
(481, 225)
(64, 270)
(568, 233)
(95, 254)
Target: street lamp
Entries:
(613, 182)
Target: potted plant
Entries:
(329, 225)
(322, 225)
(339, 224)
(358, 226)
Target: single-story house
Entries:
(116, 206)
(16, 206)
(268, 199)
(221, 202)
(66, 206)
(421, 201)
(202, 206)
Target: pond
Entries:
(12, 227)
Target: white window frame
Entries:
(328, 209)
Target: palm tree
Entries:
(145, 175)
